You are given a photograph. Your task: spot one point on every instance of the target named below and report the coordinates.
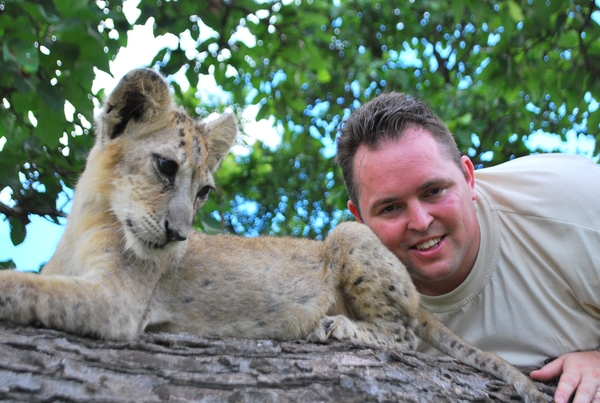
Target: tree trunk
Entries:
(41, 365)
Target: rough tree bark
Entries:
(40, 365)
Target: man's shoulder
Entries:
(542, 173)
(551, 187)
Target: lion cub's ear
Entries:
(141, 96)
(221, 135)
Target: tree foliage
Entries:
(494, 71)
(49, 52)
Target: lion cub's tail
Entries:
(439, 336)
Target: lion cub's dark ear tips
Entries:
(140, 96)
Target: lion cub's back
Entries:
(267, 287)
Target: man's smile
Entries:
(428, 244)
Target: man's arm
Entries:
(579, 373)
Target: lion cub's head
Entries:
(155, 161)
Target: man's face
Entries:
(420, 205)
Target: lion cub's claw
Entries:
(333, 327)
(322, 331)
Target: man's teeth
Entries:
(428, 244)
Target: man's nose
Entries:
(419, 218)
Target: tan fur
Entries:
(129, 262)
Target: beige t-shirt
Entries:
(534, 292)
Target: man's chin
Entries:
(433, 280)
(431, 272)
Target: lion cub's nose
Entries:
(173, 235)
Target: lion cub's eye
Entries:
(203, 193)
(166, 166)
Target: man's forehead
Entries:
(412, 144)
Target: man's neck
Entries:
(435, 288)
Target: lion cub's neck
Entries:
(92, 229)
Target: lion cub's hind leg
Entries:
(376, 291)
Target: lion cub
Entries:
(130, 262)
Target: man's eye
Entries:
(166, 166)
(436, 191)
(203, 193)
(388, 209)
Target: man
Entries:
(508, 257)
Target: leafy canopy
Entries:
(494, 71)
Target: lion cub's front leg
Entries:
(100, 304)
(375, 290)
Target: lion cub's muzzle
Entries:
(180, 214)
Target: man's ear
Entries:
(221, 135)
(141, 96)
(469, 172)
(355, 212)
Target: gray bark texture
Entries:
(41, 365)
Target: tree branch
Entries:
(19, 211)
(45, 365)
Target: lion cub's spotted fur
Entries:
(129, 262)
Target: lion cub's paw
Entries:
(334, 327)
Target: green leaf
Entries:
(51, 97)
(23, 53)
(313, 20)
(593, 122)
(92, 52)
(465, 119)
(210, 224)
(192, 77)
(515, 11)
(23, 103)
(68, 8)
(17, 230)
(51, 125)
(8, 265)
(323, 76)
(568, 40)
